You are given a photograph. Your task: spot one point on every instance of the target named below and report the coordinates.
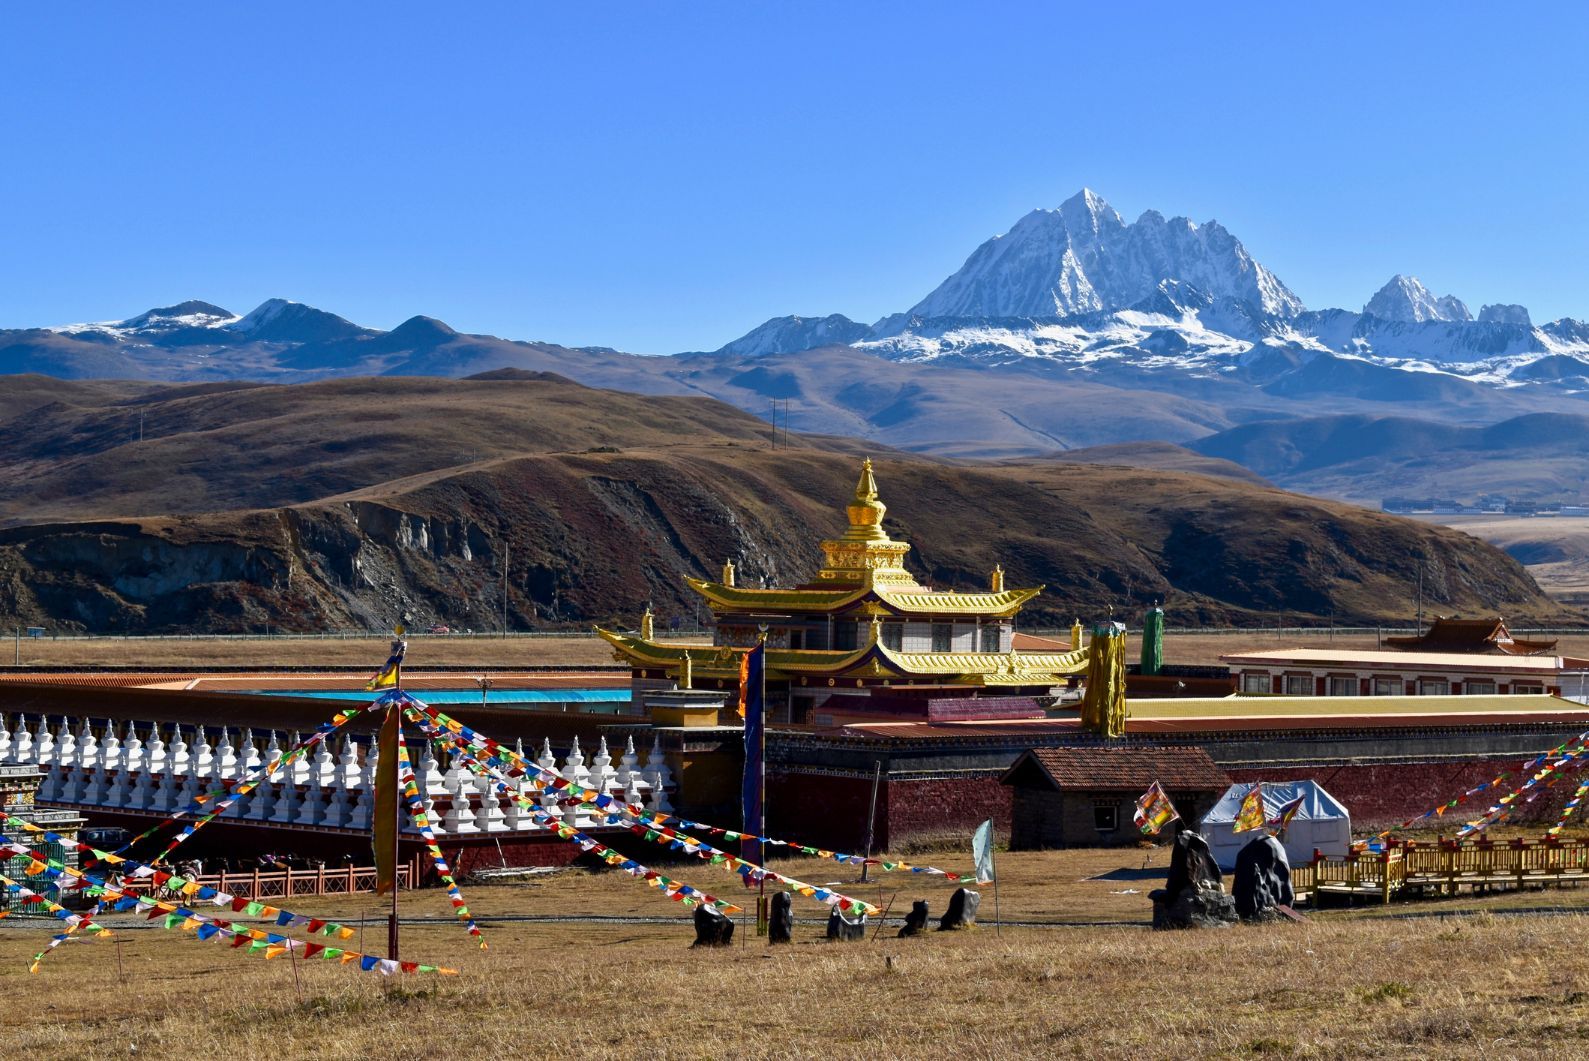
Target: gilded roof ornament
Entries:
(866, 511)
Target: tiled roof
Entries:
(1125, 769)
(1471, 635)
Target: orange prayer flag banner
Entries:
(386, 803)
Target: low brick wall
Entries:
(1385, 794)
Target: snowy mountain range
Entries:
(1073, 329)
(1079, 288)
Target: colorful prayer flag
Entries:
(1289, 811)
(1154, 810)
(1251, 814)
(391, 670)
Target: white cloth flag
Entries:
(982, 851)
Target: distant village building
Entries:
(862, 638)
(1085, 796)
(1470, 635)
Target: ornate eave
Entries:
(906, 601)
(872, 661)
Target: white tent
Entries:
(1322, 823)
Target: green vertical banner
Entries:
(385, 818)
(1153, 641)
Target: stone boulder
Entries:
(843, 929)
(780, 920)
(712, 928)
(1193, 895)
(962, 912)
(916, 920)
(1263, 880)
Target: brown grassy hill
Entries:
(359, 502)
(1162, 456)
(224, 446)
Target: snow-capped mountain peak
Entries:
(1082, 258)
(1404, 298)
(282, 320)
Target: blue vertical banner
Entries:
(752, 707)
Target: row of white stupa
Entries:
(135, 768)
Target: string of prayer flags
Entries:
(230, 792)
(675, 890)
(657, 833)
(172, 916)
(520, 766)
(421, 820)
(1504, 806)
(1570, 809)
(53, 869)
(1439, 811)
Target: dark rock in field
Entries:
(916, 920)
(962, 912)
(1191, 861)
(1263, 880)
(1193, 895)
(780, 922)
(843, 929)
(712, 928)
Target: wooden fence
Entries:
(1444, 867)
(287, 882)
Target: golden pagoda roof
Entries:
(864, 564)
(873, 660)
(912, 600)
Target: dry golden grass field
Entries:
(1347, 983)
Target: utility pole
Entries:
(1420, 596)
(504, 589)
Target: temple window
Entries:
(1531, 690)
(1299, 685)
(894, 636)
(1433, 687)
(1255, 682)
(942, 637)
(1389, 687)
(1343, 686)
(1473, 688)
(844, 635)
(1105, 817)
(990, 638)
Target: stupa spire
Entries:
(866, 511)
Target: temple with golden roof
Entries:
(863, 627)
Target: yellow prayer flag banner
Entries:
(1251, 815)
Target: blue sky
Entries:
(660, 177)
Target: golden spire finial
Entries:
(728, 572)
(687, 673)
(647, 624)
(866, 511)
(996, 583)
